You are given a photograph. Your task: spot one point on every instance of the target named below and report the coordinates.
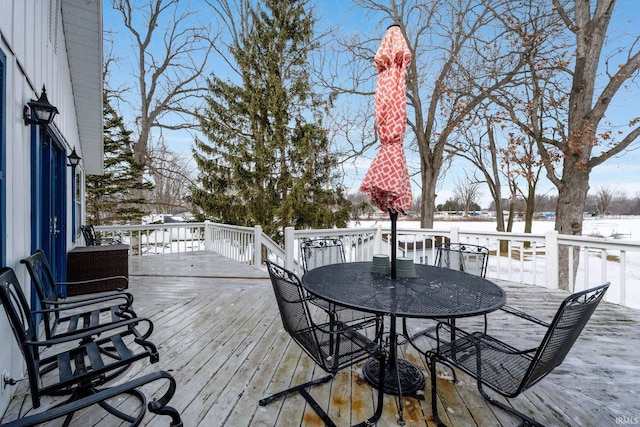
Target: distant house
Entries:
(56, 44)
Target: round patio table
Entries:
(435, 293)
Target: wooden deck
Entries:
(218, 332)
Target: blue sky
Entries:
(621, 173)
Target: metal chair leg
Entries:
(296, 389)
(378, 413)
(431, 360)
(526, 420)
(302, 389)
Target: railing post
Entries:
(623, 277)
(454, 235)
(551, 259)
(257, 246)
(377, 240)
(207, 236)
(289, 248)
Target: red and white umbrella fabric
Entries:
(387, 180)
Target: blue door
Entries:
(49, 199)
(3, 203)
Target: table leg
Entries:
(401, 377)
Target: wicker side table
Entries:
(96, 262)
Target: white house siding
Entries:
(32, 37)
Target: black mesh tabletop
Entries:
(435, 293)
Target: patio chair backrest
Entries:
(465, 257)
(293, 310)
(42, 276)
(16, 306)
(89, 234)
(17, 310)
(320, 252)
(569, 321)
(331, 352)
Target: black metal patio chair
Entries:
(89, 234)
(507, 370)
(319, 252)
(103, 353)
(157, 406)
(92, 239)
(63, 316)
(472, 259)
(332, 346)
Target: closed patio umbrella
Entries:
(387, 184)
(387, 180)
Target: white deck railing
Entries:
(150, 239)
(524, 258)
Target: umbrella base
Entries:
(411, 377)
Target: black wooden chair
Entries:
(103, 353)
(332, 346)
(66, 316)
(157, 406)
(506, 369)
(92, 239)
(319, 252)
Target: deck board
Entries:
(218, 331)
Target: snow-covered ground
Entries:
(613, 229)
(625, 227)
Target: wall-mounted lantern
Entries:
(74, 159)
(42, 109)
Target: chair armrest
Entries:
(482, 340)
(101, 279)
(158, 406)
(479, 339)
(341, 327)
(68, 305)
(362, 324)
(444, 324)
(87, 333)
(77, 283)
(361, 320)
(523, 315)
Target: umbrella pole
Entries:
(394, 218)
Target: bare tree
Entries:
(503, 152)
(574, 78)
(480, 148)
(171, 54)
(521, 152)
(467, 193)
(586, 127)
(459, 59)
(361, 206)
(604, 199)
(172, 176)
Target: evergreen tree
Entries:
(114, 197)
(267, 160)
